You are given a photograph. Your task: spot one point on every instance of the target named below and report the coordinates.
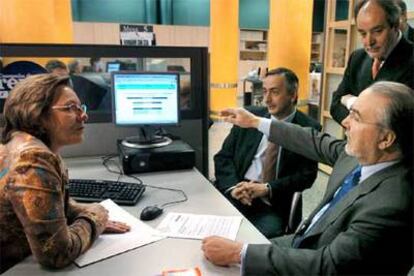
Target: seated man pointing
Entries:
(364, 223)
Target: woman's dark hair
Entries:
(28, 103)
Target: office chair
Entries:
(295, 214)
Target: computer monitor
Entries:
(113, 66)
(145, 100)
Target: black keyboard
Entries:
(92, 190)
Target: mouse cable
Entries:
(107, 158)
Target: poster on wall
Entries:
(137, 35)
(13, 73)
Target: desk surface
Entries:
(169, 253)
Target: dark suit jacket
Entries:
(410, 34)
(398, 67)
(370, 231)
(89, 92)
(296, 172)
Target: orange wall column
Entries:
(289, 41)
(36, 21)
(224, 54)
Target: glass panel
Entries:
(341, 12)
(91, 77)
(333, 128)
(339, 48)
(332, 84)
(410, 5)
(179, 65)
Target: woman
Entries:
(42, 114)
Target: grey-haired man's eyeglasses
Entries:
(355, 116)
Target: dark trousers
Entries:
(268, 221)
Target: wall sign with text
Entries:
(137, 35)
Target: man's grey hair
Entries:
(399, 114)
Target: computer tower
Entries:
(175, 156)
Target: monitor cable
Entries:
(109, 159)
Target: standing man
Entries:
(364, 223)
(387, 55)
(267, 173)
(406, 29)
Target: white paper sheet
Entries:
(108, 245)
(192, 226)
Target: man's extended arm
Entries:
(308, 142)
(305, 141)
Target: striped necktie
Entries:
(269, 164)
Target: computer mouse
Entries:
(150, 213)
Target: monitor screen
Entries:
(113, 66)
(145, 98)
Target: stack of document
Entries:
(108, 245)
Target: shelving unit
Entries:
(317, 47)
(340, 40)
(253, 45)
(253, 54)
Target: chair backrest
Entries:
(295, 214)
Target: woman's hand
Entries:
(116, 227)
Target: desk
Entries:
(165, 254)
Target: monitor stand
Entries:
(146, 138)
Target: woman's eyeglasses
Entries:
(75, 108)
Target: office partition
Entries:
(90, 67)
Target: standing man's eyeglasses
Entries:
(76, 108)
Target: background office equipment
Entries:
(113, 66)
(100, 133)
(145, 100)
(252, 89)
